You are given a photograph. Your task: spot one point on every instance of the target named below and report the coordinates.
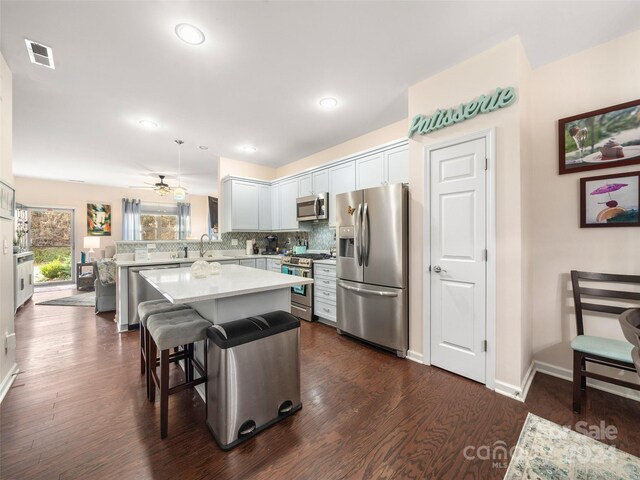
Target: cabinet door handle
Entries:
(326, 310)
(22, 284)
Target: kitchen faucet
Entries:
(204, 250)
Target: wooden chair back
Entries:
(599, 294)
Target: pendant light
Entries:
(179, 193)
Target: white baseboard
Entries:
(512, 391)
(527, 380)
(508, 390)
(8, 380)
(415, 357)
(567, 374)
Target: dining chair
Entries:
(600, 350)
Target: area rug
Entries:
(82, 300)
(548, 451)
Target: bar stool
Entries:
(170, 330)
(145, 310)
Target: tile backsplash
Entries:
(321, 237)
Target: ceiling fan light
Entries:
(179, 193)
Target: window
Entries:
(159, 222)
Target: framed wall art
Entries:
(605, 138)
(98, 219)
(7, 201)
(610, 200)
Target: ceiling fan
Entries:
(161, 188)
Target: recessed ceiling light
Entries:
(203, 147)
(328, 103)
(189, 34)
(248, 149)
(148, 124)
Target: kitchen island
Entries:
(237, 292)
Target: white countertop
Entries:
(214, 258)
(178, 286)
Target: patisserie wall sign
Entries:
(500, 98)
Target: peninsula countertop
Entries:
(178, 285)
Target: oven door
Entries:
(302, 294)
(313, 207)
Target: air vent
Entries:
(40, 54)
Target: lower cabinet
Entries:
(23, 277)
(248, 262)
(273, 264)
(261, 263)
(324, 292)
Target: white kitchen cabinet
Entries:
(248, 262)
(324, 292)
(313, 183)
(396, 165)
(261, 263)
(227, 262)
(273, 264)
(288, 195)
(370, 171)
(264, 218)
(275, 207)
(321, 181)
(23, 278)
(383, 168)
(305, 185)
(241, 205)
(342, 178)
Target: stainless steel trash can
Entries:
(254, 375)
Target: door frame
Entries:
(490, 301)
(73, 243)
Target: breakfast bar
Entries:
(237, 292)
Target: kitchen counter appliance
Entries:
(313, 207)
(272, 245)
(302, 295)
(372, 266)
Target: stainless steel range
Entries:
(302, 296)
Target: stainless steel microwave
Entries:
(313, 207)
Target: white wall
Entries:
(46, 193)
(599, 77)
(7, 357)
(501, 66)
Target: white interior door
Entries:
(458, 258)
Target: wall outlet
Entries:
(234, 241)
(151, 246)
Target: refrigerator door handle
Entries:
(357, 234)
(377, 293)
(365, 235)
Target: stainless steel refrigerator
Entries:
(372, 266)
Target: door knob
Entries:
(437, 269)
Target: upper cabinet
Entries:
(321, 181)
(342, 178)
(288, 196)
(264, 216)
(242, 211)
(383, 168)
(370, 171)
(313, 183)
(396, 165)
(254, 205)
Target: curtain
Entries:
(131, 219)
(184, 220)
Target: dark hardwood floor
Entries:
(78, 410)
